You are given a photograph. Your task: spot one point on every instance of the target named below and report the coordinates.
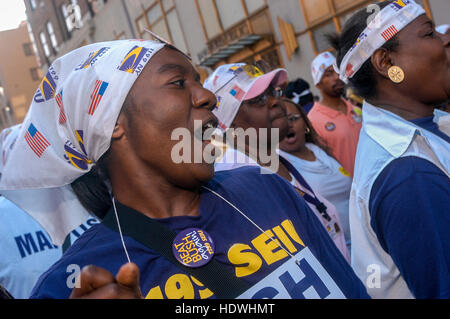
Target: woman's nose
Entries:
(203, 98)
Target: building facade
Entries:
(284, 33)
(60, 26)
(19, 75)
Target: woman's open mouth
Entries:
(208, 130)
(291, 137)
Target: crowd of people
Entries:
(347, 196)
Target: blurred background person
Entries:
(353, 98)
(299, 92)
(336, 120)
(27, 250)
(259, 108)
(304, 149)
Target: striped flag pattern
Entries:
(36, 140)
(59, 102)
(389, 33)
(237, 92)
(97, 94)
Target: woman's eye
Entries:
(179, 83)
(430, 34)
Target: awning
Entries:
(230, 49)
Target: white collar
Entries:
(392, 132)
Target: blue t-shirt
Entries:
(428, 124)
(409, 209)
(271, 203)
(27, 251)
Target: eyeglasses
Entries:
(262, 99)
(293, 117)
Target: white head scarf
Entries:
(319, 65)
(443, 28)
(386, 24)
(68, 128)
(8, 138)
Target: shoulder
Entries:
(404, 169)
(319, 152)
(371, 158)
(8, 208)
(14, 221)
(409, 180)
(248, 177)
(316, 113)
(254, 186)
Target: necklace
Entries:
(253, 223)
(297, 262)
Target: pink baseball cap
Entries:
(275, 77)
(235, 83)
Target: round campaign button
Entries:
(193, 247)
(330, 126)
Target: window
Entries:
(211, 24)
(319, 34)
(141, 25)
(175, 30)
(254, 5)
(161, 18)
(220, 16)
(72, 15)
(52, 36)
(28, 49)
(35, 74)
(33, 43)
(167, 4)
(230, 12)
(237, 31)
(44, 44)
(96, 5)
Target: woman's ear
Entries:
(118, 132)
(119, 128)
(382, 61)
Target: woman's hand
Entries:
(98, 283)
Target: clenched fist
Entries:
(98, 283)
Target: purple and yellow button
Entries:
(193, 247)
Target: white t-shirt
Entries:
(26, 249)
(326, 175)
(233, 159)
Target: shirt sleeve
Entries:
(409, 209)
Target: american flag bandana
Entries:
(68, 127)
(385, 25)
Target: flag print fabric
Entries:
(36, 140)
(385, 25)
(68, 127)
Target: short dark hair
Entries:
(364, 81)
(91, 189)
(299, 86)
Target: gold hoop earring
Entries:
(396, 74)
(307, 131)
